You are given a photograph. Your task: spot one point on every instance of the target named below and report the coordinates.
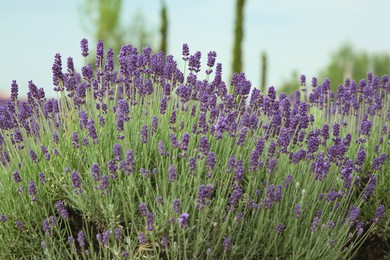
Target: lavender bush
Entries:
(148, 160)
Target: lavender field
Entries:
(139, 157)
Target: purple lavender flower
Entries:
(112, 168)
(18, 138)
(42, 178)
(192, 165)
(81, 238)
(16, 177)
(104, 185)
(183, 220)
(92, 130)
(347, 173)
(95, 172)
(370, 187)
(99, 54)
(194, 62)
(360, 157)
(303, 80)
(380, 213)
(239, 172)
(144, 134)
(117, 152)
(235, 195)
(161, 148)
(278, 193)
(210, 61)
(287, 181)
(125, 254)
(53, 220)
(204, 145)
(226, 243)
(150, 221)
(142, 238)
(186, 52)
(109, 66)
(32, 190)
(176, 205)
(58, 76)
(46, 226)
(19, 224)
(76, 180)
(320, 167)
(271, 165)
(366, 127)
(84, 47)
(231, 164)
(143, 209)
(172, 118)
(336, 129)
(14, 91)
(33, 156)
(184, 142)
(154, 125)
(204, 194)
(61, 209)
(314, 82)
(3, 218)
(99, 238)
(353, 215)
(279, 228)
(242, 136)
(172, 173)
(106, 237)
(315, 224)
(378, 162)
(298, 211)
(284, 139)
(173, 139)
(118, 234)
(164, 241)
(163, 105)
(210, 161)
(75, 140)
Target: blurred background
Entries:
(273, 42)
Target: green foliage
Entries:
(103, 19)
(344, 63)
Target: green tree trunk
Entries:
(164, 28)
(238, 37)
(263, 72)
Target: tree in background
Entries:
(163, 27)
(138, 34)
(263, 79)
(345, 62)
(102, 18)
(238, 37)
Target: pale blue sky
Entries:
(297, 35)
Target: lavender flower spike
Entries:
(380, 213)
(84, 47)
(183, 220)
